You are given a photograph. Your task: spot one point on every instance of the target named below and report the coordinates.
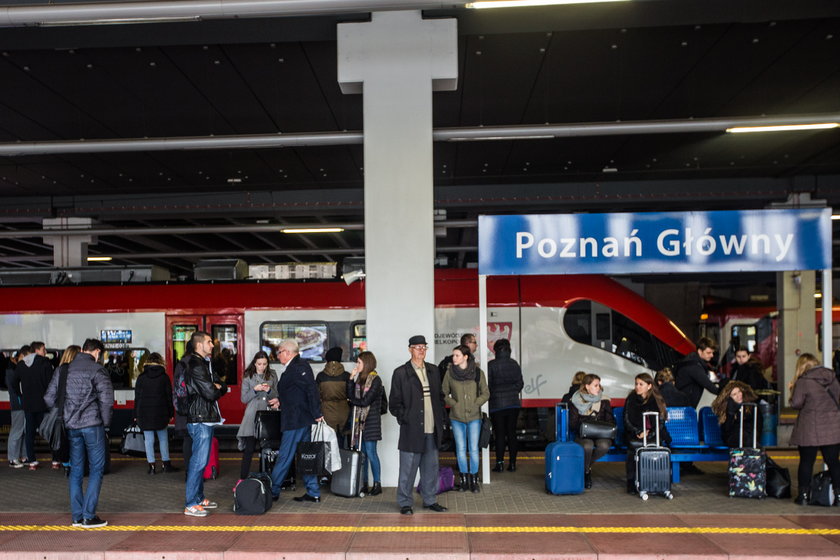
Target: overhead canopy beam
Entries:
(454, 134)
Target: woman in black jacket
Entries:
(645, 397)
(587, 403)
(727, 407)
(153, 409)
(366, 393)
(504, 378)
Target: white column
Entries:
(69, 250)
(797, 323)
(396, 60)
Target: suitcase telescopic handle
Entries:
(561, 421)
(644, 423)
(755, 425)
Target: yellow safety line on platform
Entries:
(428, 529)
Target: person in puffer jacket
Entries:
(504, 376)
(88, 405)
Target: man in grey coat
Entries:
(88, 405)
(416, 401)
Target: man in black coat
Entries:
(692, 374)
(416, 401)
(33, 374)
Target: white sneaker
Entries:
(195, 511)
(15, 464)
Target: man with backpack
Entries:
(196, 396)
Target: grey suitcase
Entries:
(653, 464)
(347, 481)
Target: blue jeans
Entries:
(466, 434)
(202, 438)
(285, 456)
(90, 441)
(369, 448)
(163, 439)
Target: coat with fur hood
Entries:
(816, 395)
(332, 387)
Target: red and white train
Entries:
(557, 325)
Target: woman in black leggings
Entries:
(815, 392)
(504, 377)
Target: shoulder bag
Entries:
(596, 429)
(484, 435)
(52, 426)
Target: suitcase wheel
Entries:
(643, 496)
(361, 494)
(669, 495)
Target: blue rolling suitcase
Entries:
(563, 459)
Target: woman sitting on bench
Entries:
(727, 407)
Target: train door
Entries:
(227, 360)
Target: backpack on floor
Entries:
(252, 496)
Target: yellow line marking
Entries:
(428, 529)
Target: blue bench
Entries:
(686, 445)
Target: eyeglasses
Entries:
(419, 347)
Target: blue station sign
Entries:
(655, 242)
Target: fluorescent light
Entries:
(98, 259)
(313, 230)
(835, 216)
(783, 127)
(818, 295)
(523, 3)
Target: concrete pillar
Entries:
(69, 250)
(397, 60)
(797, 323)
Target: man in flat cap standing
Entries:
(416, 402)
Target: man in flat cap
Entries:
(416, 401)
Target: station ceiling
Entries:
(647, 61)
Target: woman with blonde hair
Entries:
(727, 408)
(153, 409)
(815, 392)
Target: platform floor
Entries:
(511, 518)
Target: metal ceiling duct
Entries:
(455, 134)
(108, 13)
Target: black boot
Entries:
(631, 487)
(512, 466)
(587, 479)
(474, 488)
(500, 466)
(151, 468)
(801, 499)
(167, 467)
(836, 498)
(365, 490)
(462, 484)
(377, 489)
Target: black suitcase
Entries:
(347, 481)
(267, 459)
(747, 465)
(252, 496)
(653, 463)
(267, 429)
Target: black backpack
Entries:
(252, 496)
(180, 395)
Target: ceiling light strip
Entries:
(485, 4)
(782, 128)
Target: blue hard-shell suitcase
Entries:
(563, 459)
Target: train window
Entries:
(124, 365)
(578, 321)
(311, 336)
(743, 335)
(180, 336)
(359, 339)
(225, 349)
(632, 341)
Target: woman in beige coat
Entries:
(815, 392)
(465, 391)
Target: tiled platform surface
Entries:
(448, 536)
(511, 518)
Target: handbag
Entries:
(484, 436)
(267, 428)
(778, 480)
(133, 441)
(821, 491)
(312, 456)
(52, 426)
(596, 429)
